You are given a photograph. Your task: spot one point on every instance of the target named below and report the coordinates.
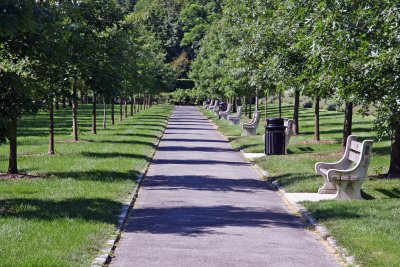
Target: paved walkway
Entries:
(202, 205)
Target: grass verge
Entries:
(66, 216)
(370, 229)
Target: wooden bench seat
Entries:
(346, 176)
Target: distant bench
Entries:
(235, 119)
(224, 113)
(346, 176)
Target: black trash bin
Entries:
(275, 136)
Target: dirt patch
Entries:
(308, 142)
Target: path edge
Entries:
(321, 230)
(107, 252)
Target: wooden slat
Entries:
(354, 157)
(356, 146)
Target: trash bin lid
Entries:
(275, 122)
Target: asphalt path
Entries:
(201, 204)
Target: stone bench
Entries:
(250, 128)
(235, 119)
(346, 176)
(215, 106)
(224, 114)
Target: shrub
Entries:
(332, 107)
(308, 104)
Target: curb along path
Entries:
(201, 204)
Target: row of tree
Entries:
(53, 50)
(346, 49)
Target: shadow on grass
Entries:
(196, 220)
(393, 193)
(114, 155)
(128, 142)
(95, 209)
(91, 175)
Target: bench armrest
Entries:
(325, 165)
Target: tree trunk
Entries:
(394, 168)
(94, 110)
(51, 128)
(250, 102)
(257, 103)
(125, 108)
(316, 119)
(70, 103)
(132, 106)
(104, 113)
(112, 112)
(74, 111)
(265, 106)
(280, 104)
(245, 106)
(120, 109)
(296, 111)
(64, 102)
(12, 137)
(348, 122)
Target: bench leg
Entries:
(327, 188)
(224, 117)
(234, 122)
(348, 189)
(249, 131)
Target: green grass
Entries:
(64, 217)
(370, 230)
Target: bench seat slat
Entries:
(354, 157)
(356, 146)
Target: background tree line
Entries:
(53, 52)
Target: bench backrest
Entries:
(256, 118)
(216, 103)
(358, 154)
(239, 111)
(229, 108)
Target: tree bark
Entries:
(120, 109)
(104, 113)
(245, 106)
(51, 128)
(296, 111)
(125, 107)
(74, 111)
(64, 102)
(316, 119)
(250, 102)
(112, 112)
(12, 137)
(94, 110)
(70, 103)
(394, 168)
(348, 122)
(266, 106)
(280, 104)
(132, 106)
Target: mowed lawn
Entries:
(65, 213)
(370, 229)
